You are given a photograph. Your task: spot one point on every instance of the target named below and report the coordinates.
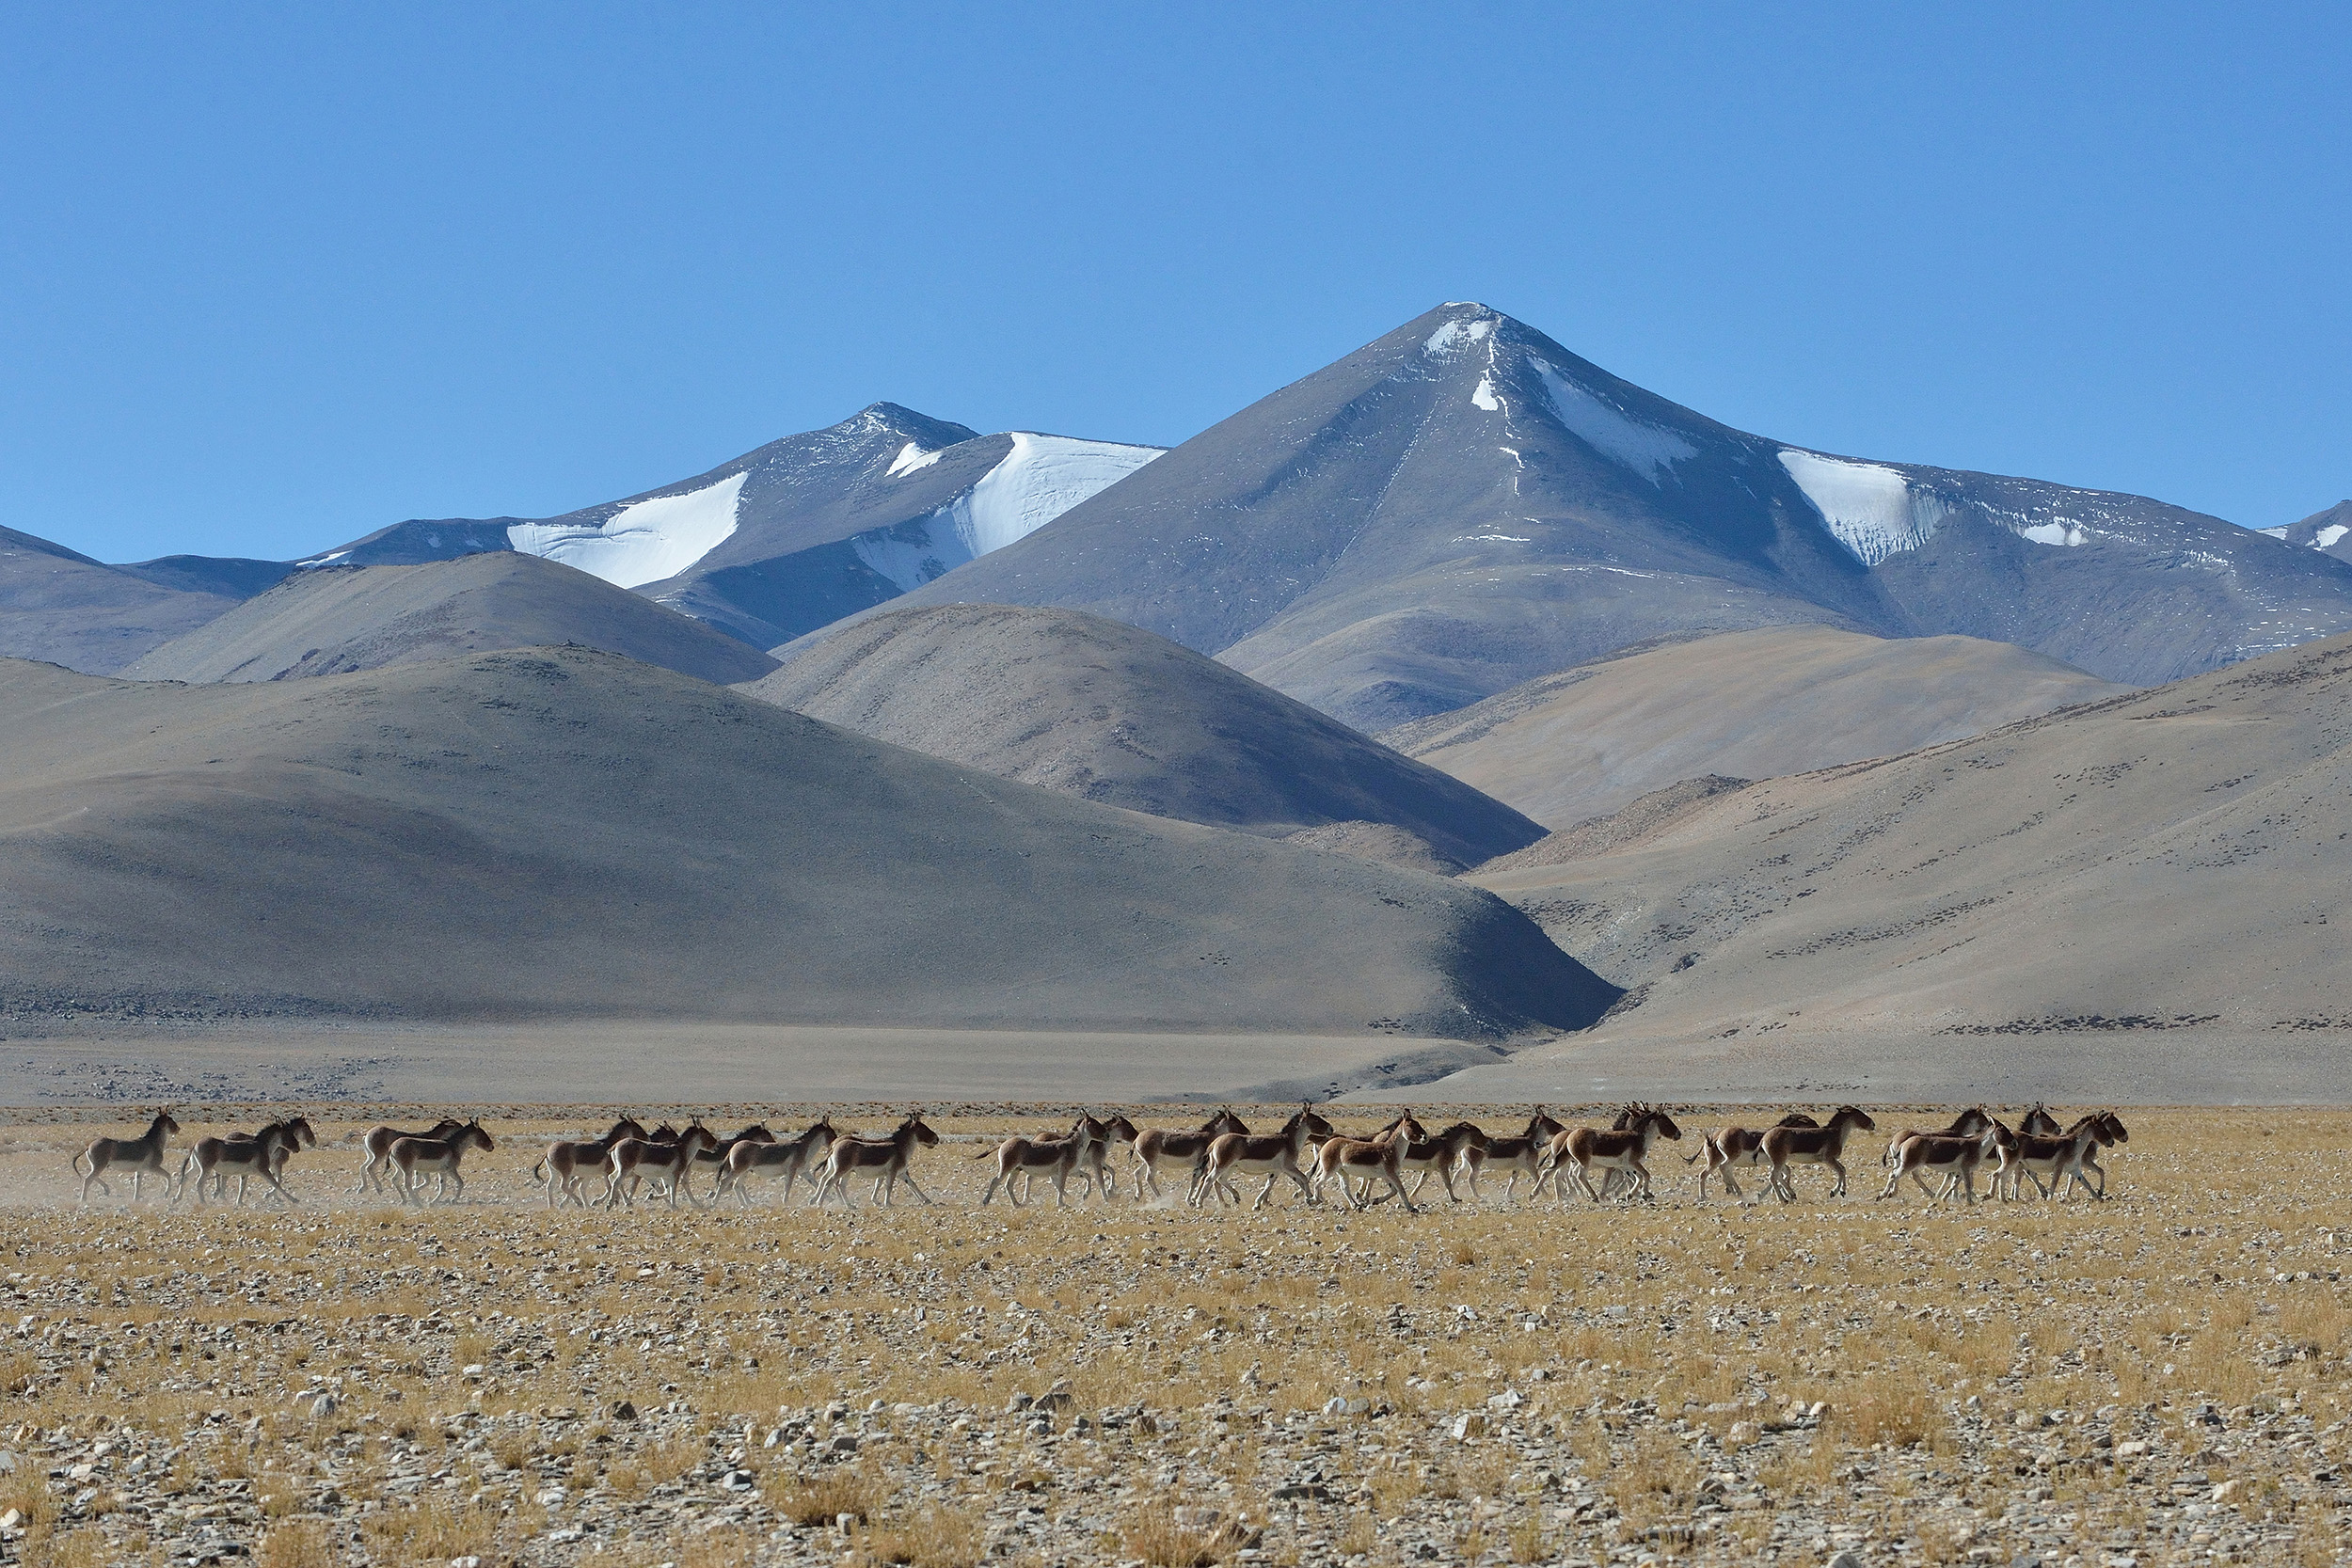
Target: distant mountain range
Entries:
(899, 723)
(1464, 505)
(802, 531)
(1456, 509)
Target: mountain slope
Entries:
(63, 607)
(2329, 531)
(1752, 705)
(1077, 703)
(557, 833)
(802, 531)
(331, 620)
(234, 577)
(1464, 504)
(2164, 865)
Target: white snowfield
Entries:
(2053, 533)
(2320, 541)
(645, 543)
(1455, 336)
(1647, 449)
(1871, 509)
(911, 457)
(1039, 479)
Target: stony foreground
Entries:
(2160, 1378)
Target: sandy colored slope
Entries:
(1075, 702)
(333, 620)
(1751, 704)
(562, 832)
(2171, 867)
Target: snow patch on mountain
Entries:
(1484, 395)
(1039, 479)
(1454, 337)
(642, 543)
(1647, 449)
(2053, 533)
(2277, 533)
(911, 458)
(2326, 537)
(1871, 509)
(1042, 478)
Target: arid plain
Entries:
(2158, 1378)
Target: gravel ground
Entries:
(2158, 1378)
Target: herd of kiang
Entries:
(1307, 1152)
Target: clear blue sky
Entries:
(273, 276)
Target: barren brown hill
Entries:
(332, 620)
(1073, 701)
(1750, 705)
(551, 833)
(2168, 871)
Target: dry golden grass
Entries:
(1654, 1355)
(929, 1537)
(299, 1544)
(432, 1530)
(821, 1500)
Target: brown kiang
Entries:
(1161, 1150)
(1622, 1147)
(1522, 1155)
(885, 1160)
(1054, 1158)
(790, 1158)
(1736, 1146)
(633, 1160)
(263, 1153)
(378, 1145)
(142, 1156)
(1272, 1156)
(417, 1157)
(568, 1159)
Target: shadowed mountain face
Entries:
(803, 531)
(2329, 531)
(331, 620)
(558, 833)
(1077, 703)
(1464, 505)
(63, 607)
(2172, 859)
(1753, 705)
